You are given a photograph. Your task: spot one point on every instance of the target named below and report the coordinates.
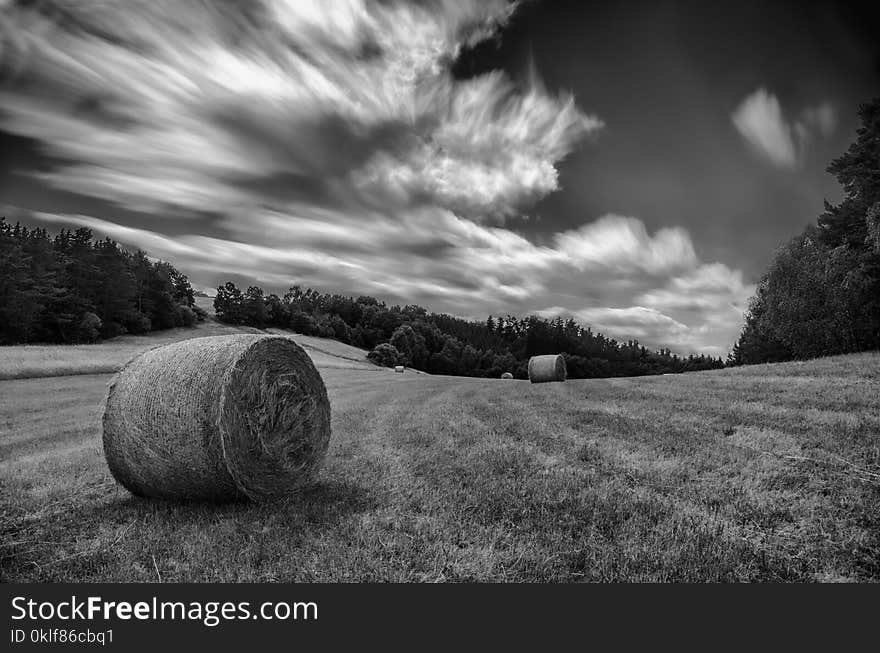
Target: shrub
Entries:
(112, 329)
(385, 354)
(303, 323)
(89, 328)
(200, 313)
(137, 323)
(186, 314)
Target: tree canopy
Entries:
(71, 289)
(444, 344)
(821, 293)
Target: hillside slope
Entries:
(766, 473)
(33, 361)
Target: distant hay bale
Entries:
(217, 418)
(507, 375)
(544, 369)
(400, 369)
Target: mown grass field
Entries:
(765, 473)
(33, 361)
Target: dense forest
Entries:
(443, 344)
(821, 293)
(71, 289)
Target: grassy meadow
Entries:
(34, 361)
(764, 473)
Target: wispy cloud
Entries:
(631, 323)
(329, 144)
(698, 309)
(159, 104)
(611, 273)
(760, 121)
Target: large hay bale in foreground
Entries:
(544, 369)
(217, 418)
(507, 375)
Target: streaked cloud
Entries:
(760, 121)
(623, 243)
(156, 104)
(633, 322)
(434, 257)
(329, 145)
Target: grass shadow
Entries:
(322, 502)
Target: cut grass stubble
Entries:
(753, 474)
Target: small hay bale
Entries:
(544, 369)
(217, 418)
(400, 369)
(507, 375)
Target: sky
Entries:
(629, 164)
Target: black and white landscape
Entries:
(679, 199)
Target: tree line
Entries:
(443, 344)
(821, 293)
(72, 289)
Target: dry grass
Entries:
(767, 473)
(223, 417)
(327, 347)
(33, 361)
(547, 369)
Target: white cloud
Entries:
(760, 121)
(331, 146)
(185, 103)
(642, 286)
(630, 323)
(493, 151)
(623, 243)
(822, 117)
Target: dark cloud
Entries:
(104, 111)
(281, 142)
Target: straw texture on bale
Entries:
(217, 418)
(544, 369)
(399, 368)
(507, 375)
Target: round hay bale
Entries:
(544, 369)
(217, 418)
(507, 375)
(400, 369)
